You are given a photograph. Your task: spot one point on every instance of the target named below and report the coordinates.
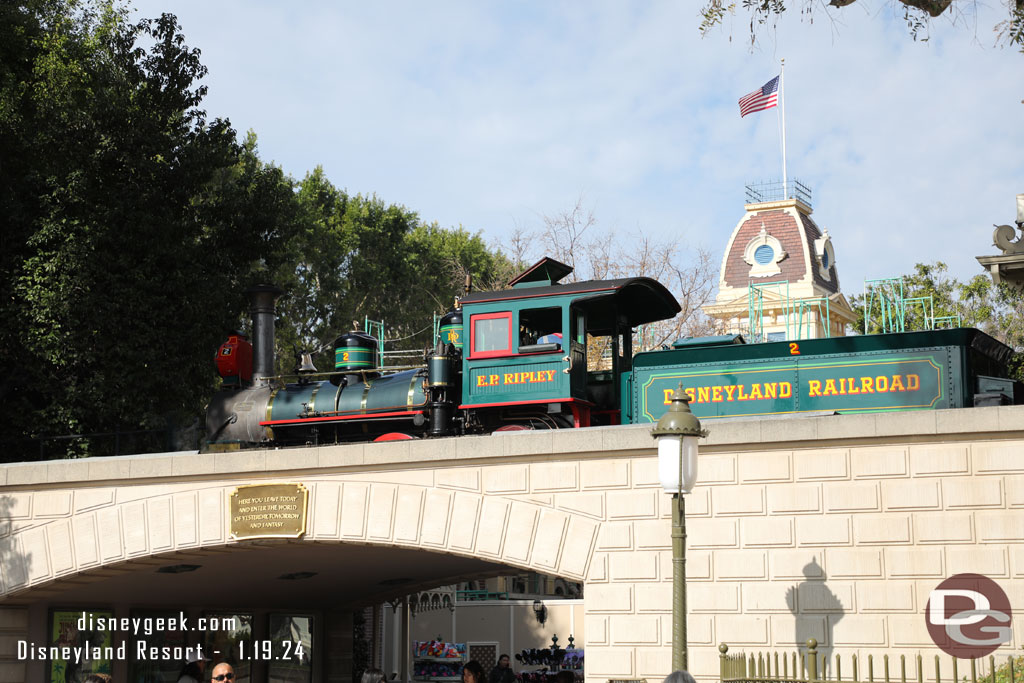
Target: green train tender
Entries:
(857, 374)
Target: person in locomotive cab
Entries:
(527, 337)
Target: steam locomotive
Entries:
(517, 359)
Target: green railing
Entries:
(480, 595)
(766, 667)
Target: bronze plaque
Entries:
(268, 511)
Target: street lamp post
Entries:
(676, 434)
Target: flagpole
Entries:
(782, 111)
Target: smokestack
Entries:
(263, 298)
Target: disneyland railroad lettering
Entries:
(843, 386)
(850, 386)
(511, 378)
(720, 393)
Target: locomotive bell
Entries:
(306, 366)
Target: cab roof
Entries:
(640, 300)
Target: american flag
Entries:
(765, 97)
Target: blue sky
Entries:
(491, 114)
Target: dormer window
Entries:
(826, 255)
(763, 254)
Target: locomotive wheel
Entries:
(535, 422)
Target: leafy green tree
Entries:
(133, 224)
(359, 257)
(917, 15)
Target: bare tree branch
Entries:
(1010, 31)
(574, 238)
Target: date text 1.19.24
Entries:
(266, 650)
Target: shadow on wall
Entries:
(14, 565)
(817, 609)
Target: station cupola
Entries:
(778, 280)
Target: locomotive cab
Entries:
(550, 355)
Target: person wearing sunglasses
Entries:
(223, 673)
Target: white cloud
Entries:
(489, 114)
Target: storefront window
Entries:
(292, 638)
(231, 643)
(158, 668)
(76, 628)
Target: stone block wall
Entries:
(832, 527)
(842, 544)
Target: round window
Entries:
(764, 254)
(824, 259)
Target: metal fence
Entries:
(766, 667)
(776, 190)
(119, 442)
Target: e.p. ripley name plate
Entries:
(268, 511)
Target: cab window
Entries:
(540, 329)
(491, 334)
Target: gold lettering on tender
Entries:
(771, 390)
(716, 394)
(729, 391)
(913, 382)
(853, 387)
(897, 384)
(755, 392)
(510, 378)
(814, 388)
(740, 396)
(881, 384)
(867, 385)
(830, 388)
(785, 390)
(703, 394)
(689, 393)
(668, 396)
